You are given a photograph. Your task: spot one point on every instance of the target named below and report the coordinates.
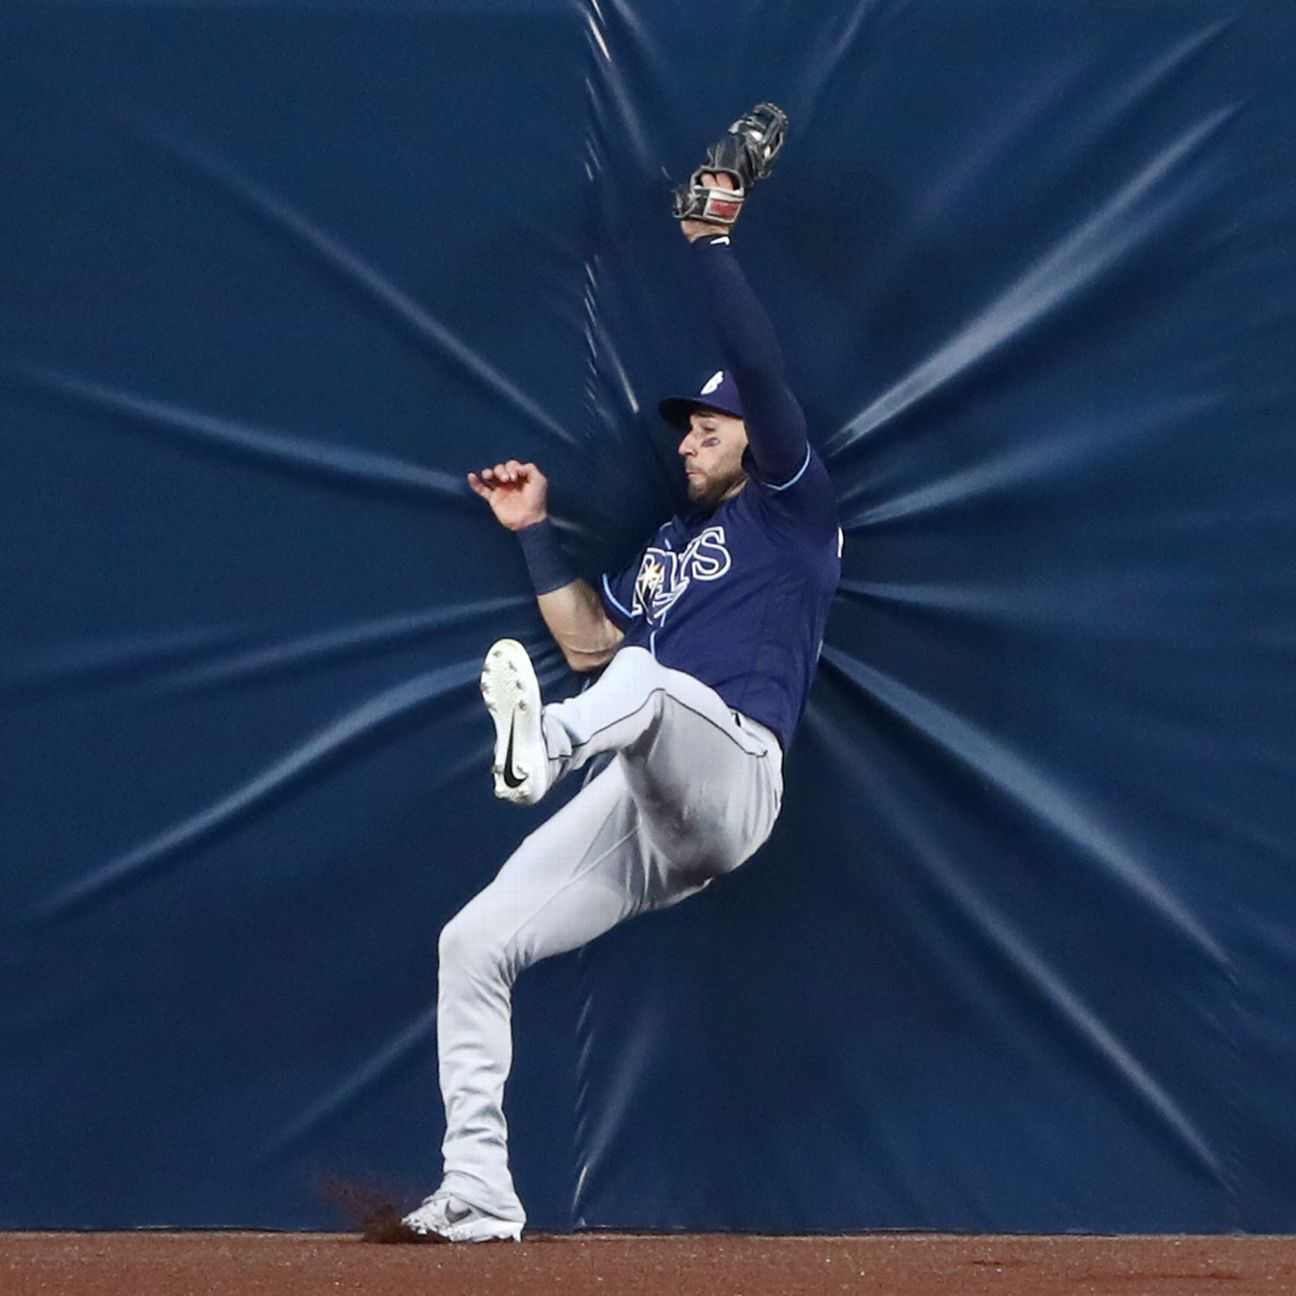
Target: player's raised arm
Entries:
(776, 427)
(518, 495)
(707, 209)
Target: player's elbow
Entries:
(584, 663)
(594, 654)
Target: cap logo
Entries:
(712, 383)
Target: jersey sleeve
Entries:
(776, 427)
(805, 506)
(617, 592)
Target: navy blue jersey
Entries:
(737, 597)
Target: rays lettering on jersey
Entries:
(664, 575)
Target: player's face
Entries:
(712, 452)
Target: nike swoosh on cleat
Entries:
(510, 778)
(457, 1217)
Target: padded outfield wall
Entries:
(273, 276)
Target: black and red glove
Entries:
(743, 155)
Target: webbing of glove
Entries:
(744, 154)
(758, 136)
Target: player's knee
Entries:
(467, 946)
(639, 679)
(688, 878)
(699, 853)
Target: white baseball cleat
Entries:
(512, 695)
(448, 1219)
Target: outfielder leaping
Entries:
(710, 639)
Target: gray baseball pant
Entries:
(694, 791)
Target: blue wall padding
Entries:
(273, 276)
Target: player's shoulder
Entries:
(806, 502)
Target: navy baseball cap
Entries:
(719, 392)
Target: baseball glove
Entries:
(744, 154)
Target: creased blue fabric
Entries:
(1019, 954)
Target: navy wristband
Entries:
(546, 562)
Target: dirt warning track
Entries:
(301, 1264)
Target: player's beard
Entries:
(707, 490)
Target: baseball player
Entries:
(707, 641)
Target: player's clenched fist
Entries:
(517, 492)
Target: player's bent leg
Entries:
(578, 875)
(708, 782)
(621, 711)
(709, 799)
(638, 708)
